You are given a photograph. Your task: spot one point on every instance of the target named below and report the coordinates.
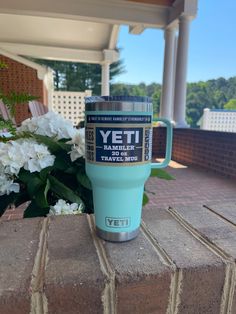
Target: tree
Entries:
(72, 76)
(230, 105)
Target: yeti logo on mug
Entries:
(114, 222)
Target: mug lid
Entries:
(96, 99)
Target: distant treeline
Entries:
(210, 94)
(80, 76)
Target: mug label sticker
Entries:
(119, 144)
(114, 142)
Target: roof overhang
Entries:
(81, 31)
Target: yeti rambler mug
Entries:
(118, 161)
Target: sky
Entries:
(212, 47)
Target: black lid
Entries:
(95, 99)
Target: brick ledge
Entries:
(183, 261)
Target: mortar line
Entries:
(176, 276)
(109, 293)
(165, 258)
(228, 291)
(219, 215)
(230, 276)
(38, 298)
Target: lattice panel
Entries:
(70, 105)
(220, 120)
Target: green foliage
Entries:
(72, 76)
(64, 180)
(153, 90)
(2, 65)
(12, 99)
(145, 199)
(7, 125)
(212, 94)
(230, 105)
(161, 174)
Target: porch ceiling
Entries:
(56, 38)
(80, 30)
(167, 3)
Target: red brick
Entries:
(199, 147)
(19, 243)
(74, 281)
(142, 279)
(203, 273)
(20, 78)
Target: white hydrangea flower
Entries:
(7, 185)
(63, 208)
(38, 157)
(12, 157)
(50, 124)
(24, 153)
(78, 145)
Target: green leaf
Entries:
(44, 173)
(64, 146)
(83, 179)
(62, 161)
(71, 170)
(22, 197)
(46, 189)
(63, 191)
(145, 199)
(41, 196)
(14, 98)
(162, 174)
(33, 186)
(3, 65)
(50, 142)
(25, 176)
(33, 210)
(6, 200)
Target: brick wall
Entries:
(159, 142)
(57, 265)
(208, 149)
(19, 78)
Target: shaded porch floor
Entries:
(192, 186)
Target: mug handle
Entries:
(169, 137)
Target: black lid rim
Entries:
(96, 99)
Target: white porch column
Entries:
(110, 56)
(166, 107)
(105, 91)
(181, 72)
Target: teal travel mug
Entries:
(119, 161)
